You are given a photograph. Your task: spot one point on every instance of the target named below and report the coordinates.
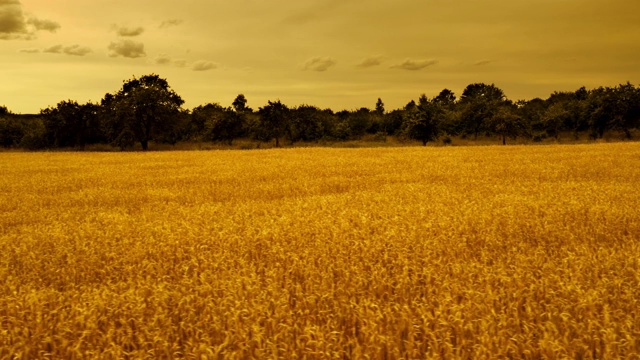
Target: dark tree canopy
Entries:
(423, 120)
(275, 119)
(479, 103)
(144, 109)
(380, 107)
(72, 124)
(240, 103)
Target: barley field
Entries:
(524, 252)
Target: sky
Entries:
(338, 54)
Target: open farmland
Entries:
(463, 252)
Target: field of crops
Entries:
(456, 252)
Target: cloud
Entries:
(75, 50)
(14, 25)
(319, 64)
(203, 65)
(127, 48)
(483, 62)
(162, 59)
(128, 31)
(46, 25)
(370, 62)
(169, 23)
(29, 51)
(414, 64)
(55, 49)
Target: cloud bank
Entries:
(319, 64)
(127, 48)
(414, 65)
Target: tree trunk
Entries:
(277, 142)
(424, 142)
(145, 144)
(504, 140)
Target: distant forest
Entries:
(146, 110)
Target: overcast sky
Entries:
(341, 54)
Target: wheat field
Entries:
(522, 252)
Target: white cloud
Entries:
(29, 51)
(414, 64)
(127, 48)
(319, 64)
(203, 65)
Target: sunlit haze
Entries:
(341, 54)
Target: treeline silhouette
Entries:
(147, 110)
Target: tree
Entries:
(445, 98)
(72, 124)
(220, 124)
(506, 122)
(554, 119)
(144, 109)
(447, 101)
(240, 104)
(479, 102)
(360, 122)
(4, 111)
(422, 121)
(379, 107)
(308, 123)
(275, 120)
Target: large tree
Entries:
(423, 120)
(479, 103)
(275, 120)
(144, 109)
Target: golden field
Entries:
(452, 252)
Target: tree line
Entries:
(146, 110)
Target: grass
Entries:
(454, 252)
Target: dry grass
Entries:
(458, 252)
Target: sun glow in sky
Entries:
(341, 54)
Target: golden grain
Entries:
(477, 252)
